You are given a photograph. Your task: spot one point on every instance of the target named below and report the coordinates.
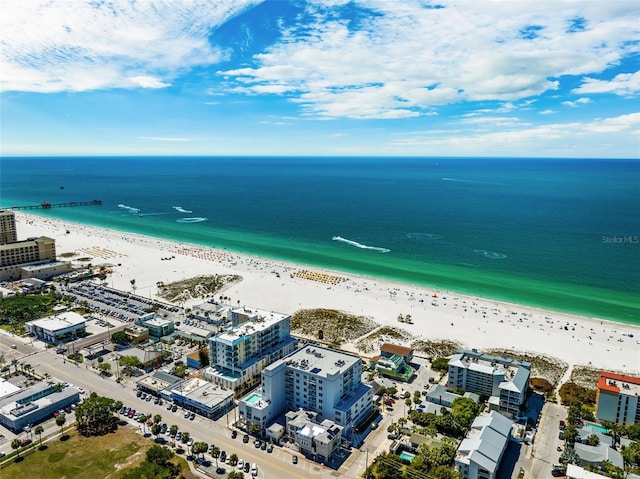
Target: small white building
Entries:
(318, 439)
(60, 327)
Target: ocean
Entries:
(560, 234)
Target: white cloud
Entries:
(407, 58)
(624, 84)
(79, 46)
(546, 112)
(576, 103)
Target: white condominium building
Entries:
(256, 339)
(313, 378)
(503, 380)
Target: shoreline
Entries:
(270, 284)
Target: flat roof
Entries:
(157, 321)
(59, 321)
(259, 321)
(319, 361)
(202, 392)
(7, 388)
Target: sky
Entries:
(320, 77)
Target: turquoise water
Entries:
(598, 428)
(558, 234)
(407, 456)
(253, 398)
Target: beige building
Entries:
(8, 233)
(13, 256)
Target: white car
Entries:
(240, 464)
(254, 469)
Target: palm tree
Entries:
(155, 430)
(133, 285)
(233, 459)
(15, 444)
(39, 430)
(117, 406)
(60, 420)
(173, 430)
(215, 452)
(157, 419)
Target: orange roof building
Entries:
(617, 398)
(387, 350)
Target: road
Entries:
(270, 465)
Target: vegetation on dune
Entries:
(572, 393)
(436, 348)
(198, 287)
(329, 325)
(372, 342)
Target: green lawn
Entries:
(81, 457)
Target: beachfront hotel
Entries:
(255, 339)
(8, 232)
(314, 378)
(617, 398)
(503, 380)
(14, 256)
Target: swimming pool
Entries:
(598, 428)
(254, 398)
(407, 456)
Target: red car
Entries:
(131, 413)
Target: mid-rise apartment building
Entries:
(617, 398)
(314, 378)
(13, 256)
(503, 380)
(255, 339)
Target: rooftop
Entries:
(202, 392)
(396, 349)
(485, 441)
(259, 320)
(477, 361)
(157, 321)
(619, 383)
(320, 361)
(59, 321)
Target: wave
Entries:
(180, 209)
(360, 245)
(490, 254)
(191, 220)
(130, 209)
(424, 236)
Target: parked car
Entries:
(234, 434)
(174, 408)
(192, 416)
(294, 459)
(246, 467)
(263, 446)
(270, 448)
(187, 414)
(25, 442)
(245, 438)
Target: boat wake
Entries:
(180, 209)
(191, 220)
(424, 236)
(130, 209)
(359, 245)
(490, 254)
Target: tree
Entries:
(173, 430)
(15, 444)
(440, 364)
(129, 363)
(117, 405)
(94, 415)
(593, 440)
(155, 430)
(570, 433)
(199, 448)
(157, 419)
(120, 337)
(61, 419)
(235, 475)
(104, 368)
(569, 456)
(203, 356)
(215, 452)
(39, 430)
(133, 285)
(233, 459)
(254, 429)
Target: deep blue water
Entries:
(526, 230)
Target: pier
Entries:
(47, 205)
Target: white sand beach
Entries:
(436, 314)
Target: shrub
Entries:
(541, 384)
